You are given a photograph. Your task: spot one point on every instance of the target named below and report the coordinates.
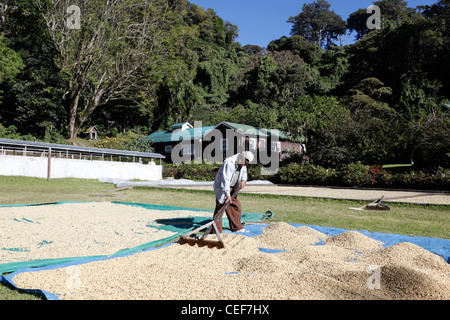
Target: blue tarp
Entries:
(437, 246)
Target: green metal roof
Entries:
(70, 149)
(198, 133)
(170, 136)
(255, 130)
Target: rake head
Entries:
(202, 243)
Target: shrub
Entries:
(351, 175)
(140, 144)
(437, 179)
(295, 173)
(203, 172)
(360, 175)
(110, 143)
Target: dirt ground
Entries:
(418, 197)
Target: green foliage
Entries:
(274, 79)
(110, 143)
(295, 173)
(354, 174)
(312, 117)
(140, 144)
(360, 175)
(202, 172)
(394, 14)
(32, 100)
(310, 52)
(317, 23)
(438, 179)
(333, 66)
(375, 101)
(429, 139)
(11, 133)
(410, 58)
(10, 62)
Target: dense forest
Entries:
(147, 64)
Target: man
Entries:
(232, 172)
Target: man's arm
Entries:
(244, 177)
(227, 175)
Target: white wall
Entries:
(84, 169)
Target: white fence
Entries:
(42, 167)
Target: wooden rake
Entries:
(376, 205)
(193, 240)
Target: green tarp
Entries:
(179, 226)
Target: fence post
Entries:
(49, 163)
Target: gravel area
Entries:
(78, 229)
(345, 267)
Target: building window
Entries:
(252, 143)
(187, 149)
(262, 144)
(224, 144)
(168, 149)
(276, 146)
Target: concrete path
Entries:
(390, 195)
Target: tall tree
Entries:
(105, 48)
(10, 62)
(274, 79)
(317, 23)
(311, 53)
(32, 100)
(393, 14)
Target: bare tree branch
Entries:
(106, 56)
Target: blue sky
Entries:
(261, 21)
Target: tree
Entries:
(393, 14)
(308, 51)
(32, 99)
(105, 48)
(412, 59)
(428, 139)
(10, 63)
(273, 80)
(333, 67)
(317, 23)
(370, 97)
(254, 49)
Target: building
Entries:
(91, 133)
(164, 142)
(185, 143)
(49, 160)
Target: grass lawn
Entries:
(416, 220)
(390, 166)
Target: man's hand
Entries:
(242, 184)
(228, 200)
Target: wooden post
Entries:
(49, 163)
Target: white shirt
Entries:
(222, 183)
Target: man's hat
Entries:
(248, 156)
